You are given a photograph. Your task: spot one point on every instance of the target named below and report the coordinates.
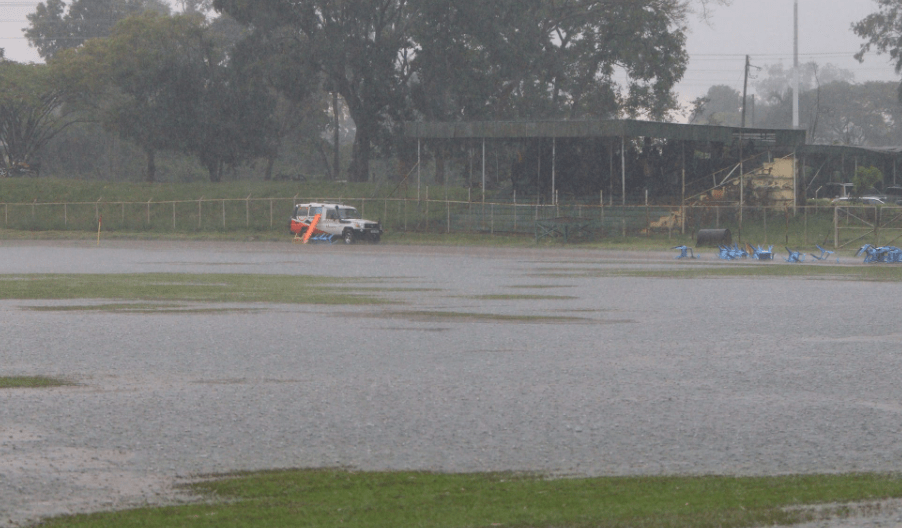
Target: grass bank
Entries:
(201, 288)
(339, 498)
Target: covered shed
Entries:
(588, 159)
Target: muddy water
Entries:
(490, 360)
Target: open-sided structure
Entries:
(622, 160)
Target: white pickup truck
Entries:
(335, 221)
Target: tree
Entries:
(146, 79)
(392, 60)
(32, 111)
(833, 109)
(722, 105)
(53, 27)
(865, 179)
(882, 31)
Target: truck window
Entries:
(331, 214)
(315, 211)
(349, 213)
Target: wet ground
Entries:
(493, 359)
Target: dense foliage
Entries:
(392, 60)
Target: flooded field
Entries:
(485, 359)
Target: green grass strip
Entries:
(337, 498)
(865, 272)
(185, 288)
(30, 382)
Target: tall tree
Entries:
(53, 26)
(500, 58)
(722, 105)
(32, 111)
(147, 79)
(882, 31)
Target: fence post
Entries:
(877, 225)
(148, 212)
(448, 204)
(223, 213)
(835, 227)
(123, 213)
(786, 212)
(270, 213)
(173, 215)
(806, 224)
(247, 211)
(200, 212)
(66, 215)
(765, 225)
(492, 218)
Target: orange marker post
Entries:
(310, 229)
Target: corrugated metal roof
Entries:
(596, 128)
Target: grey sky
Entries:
(763, 29)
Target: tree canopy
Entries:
(882, 31)
(31, 111)
(392, 60)
(53, 26)
(161, 82)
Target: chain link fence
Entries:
(824, 225)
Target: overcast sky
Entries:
(762, 29)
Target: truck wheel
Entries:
(348, 236)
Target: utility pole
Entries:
(336, 168)
(795, 71)
(745, 88)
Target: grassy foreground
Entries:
(331, 497)
(184, 287)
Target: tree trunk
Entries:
(267, 174)
(151, 164)
(440, 165)
(359, 171)
(336, 167)
(214, 167)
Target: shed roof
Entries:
(598, 128)
(837, 150)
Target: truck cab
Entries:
(332, 221)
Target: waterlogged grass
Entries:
(164, 287)
(870, 272)
(521, 297)
(470, 317)
(30, 382)
(135, 308)
(326, 498)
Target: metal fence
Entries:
(824, 225)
